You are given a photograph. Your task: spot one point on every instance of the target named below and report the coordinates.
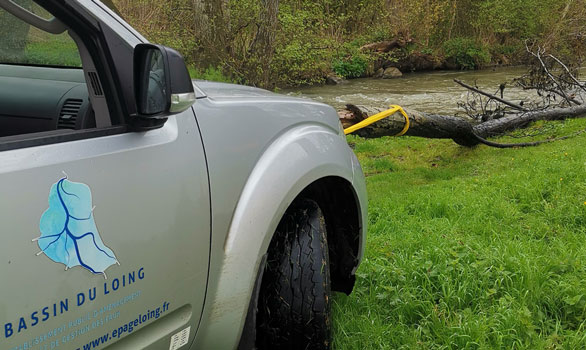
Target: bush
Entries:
(296, 63)
(350, 61)
(466, 53)
(302, 53)
(211, 73)
(353, 67)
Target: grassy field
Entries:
(46, 49)
(471, 248)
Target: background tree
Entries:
(298, 42)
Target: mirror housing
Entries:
(162, 84)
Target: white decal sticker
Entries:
(180, 339)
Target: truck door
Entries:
(105, 233)
(104, 239)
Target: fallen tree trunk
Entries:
(464, 131)
(487, 114)
(422, 124)
(502, 125)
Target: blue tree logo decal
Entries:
(68, 231)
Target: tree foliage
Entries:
(294, 42)
(466, 53)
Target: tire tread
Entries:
(294, 301)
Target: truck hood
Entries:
(266, 104)
(212, 89)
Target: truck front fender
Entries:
(297, 158)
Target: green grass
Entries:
(470, 248)
(46, 49)
(57, 53)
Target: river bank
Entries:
(392, 58)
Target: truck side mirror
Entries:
(162, 83)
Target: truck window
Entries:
(21, 43)
(48, 82)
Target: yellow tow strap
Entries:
(379, 116)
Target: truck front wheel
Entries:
(294, 309)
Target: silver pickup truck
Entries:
(142, 210)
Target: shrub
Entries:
(211, 73)
(466, 53)
(353, 67)
(350, 61)
(296, 63)
(302, 53)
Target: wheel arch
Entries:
(341, 209)
(340, 206)
(298, 163)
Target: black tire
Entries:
(294, 309)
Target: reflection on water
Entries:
(432, 92)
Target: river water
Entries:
(431, 92)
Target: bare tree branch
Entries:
(544, 66)
(578, 83)
(510, 104)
